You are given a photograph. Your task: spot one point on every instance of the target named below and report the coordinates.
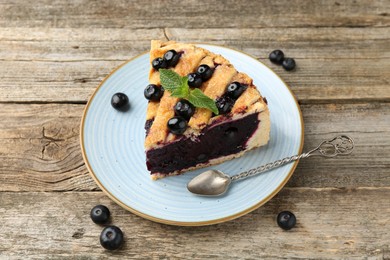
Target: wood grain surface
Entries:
(53, 55)
(332, 223)
(337, 64)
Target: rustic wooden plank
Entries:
(302, 43)
(39, 147)
(331, 224)
(76, 44)
(368, 124)
(52, 81)
(313, 81)
(39, 65)
(72, 44)
(194, 14)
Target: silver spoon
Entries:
(214, 183)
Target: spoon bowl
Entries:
(209, 183)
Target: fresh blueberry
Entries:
(276, 56)
(120, 102)
(184, 109)
(288, 64)
(100, 214)
(111, 238)
(235, 89)
(172, 58)
(177, 125)
(286, 220)
(153, 92)
(159, 63)
(224, 104)
(205, 72)
(194, 80)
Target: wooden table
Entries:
(53, 54)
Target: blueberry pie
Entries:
(181, 135)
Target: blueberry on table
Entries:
(194, 80)
(288, 64)
(100, 214)
(235, 89)
(153, 92)
(159, 63)
(205, 72)
(286, 220)
(184, 109)
(172, 58)
(177, 125)
(276, 56)
(111, 238)
(120, 102)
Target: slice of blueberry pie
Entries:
(201, 110)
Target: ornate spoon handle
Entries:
(339, 145)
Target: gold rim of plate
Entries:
(180, 223)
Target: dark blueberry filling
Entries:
(215, 141)
(148, 125)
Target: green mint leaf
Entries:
(183, 91)
(175, 84)
(170, 80)
(198, 99)
(178, 87)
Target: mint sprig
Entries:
(178, 86)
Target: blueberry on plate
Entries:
(194, 80)
(286, 220)
(120, 102)
(276, 56)
(159, 63)
(111, 238)
(153, 92)
(177, 125)
(184, 109)
(100, 214)
(288, 64)
(172, 58)
(205, 72)
(235, 89)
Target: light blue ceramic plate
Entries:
(112, 146)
